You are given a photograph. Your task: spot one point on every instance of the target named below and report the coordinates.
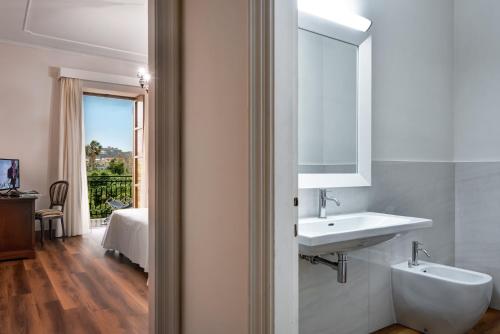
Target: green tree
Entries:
(93, 150)
(117, 166)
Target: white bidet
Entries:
(438, 299)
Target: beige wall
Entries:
(28, 106)
(215, 167)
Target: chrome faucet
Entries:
(323, 198)
(415, 249)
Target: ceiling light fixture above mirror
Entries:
(328, 10)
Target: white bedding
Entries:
(127, 233)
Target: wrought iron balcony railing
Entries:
(102, 188)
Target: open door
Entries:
(139, 154)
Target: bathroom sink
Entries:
(342, 233)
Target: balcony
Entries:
(102, 188)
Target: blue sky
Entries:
(109, 121)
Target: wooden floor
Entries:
(73, 287)
(489, 324)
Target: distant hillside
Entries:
(113, 152)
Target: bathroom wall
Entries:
(477, 138)
(364, 304)
(413, 169)
(477, 241)
(412, 79)
(477, 80)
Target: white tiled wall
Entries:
(477, 229)
(364, 304)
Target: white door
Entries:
(286, 177)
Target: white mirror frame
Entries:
(364, 113)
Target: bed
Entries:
(127, 232)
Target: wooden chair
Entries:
(58, 195)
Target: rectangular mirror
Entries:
(327, 104)
(334, 121)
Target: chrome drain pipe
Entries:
(340, 266)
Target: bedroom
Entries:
(88, 270)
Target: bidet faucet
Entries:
(415, 249)
(323, 198)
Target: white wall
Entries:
(412, 121)
(477, 80)
(215, 182)
(412, 78)
(436, 97)
(477, 137)
(28, 108)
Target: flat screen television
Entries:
(9, 174)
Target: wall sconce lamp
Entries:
(144, 78)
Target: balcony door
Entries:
(115, 152)
(139, 180)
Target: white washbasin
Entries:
(341, 233)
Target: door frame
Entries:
(164, 165)
(274, 291)
(268, 203)
(261, 167)
(285, 141)
(137, 190)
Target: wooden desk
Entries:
(17, 227)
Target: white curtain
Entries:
(72, 157)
